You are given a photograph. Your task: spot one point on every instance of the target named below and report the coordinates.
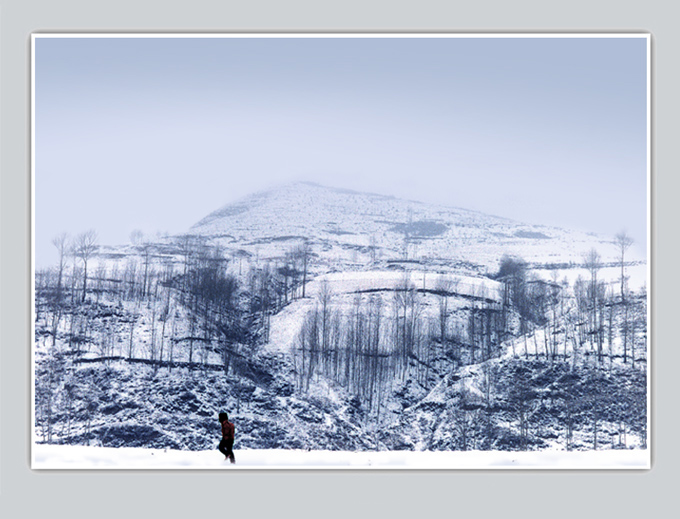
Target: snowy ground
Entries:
(349, 282)
(50, 457)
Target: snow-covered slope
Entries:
(393, 336)
(355, 228)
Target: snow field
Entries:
(52, 457)
(349, 282)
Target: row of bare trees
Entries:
(590, 319)
(194, 301)
(373, 344)
(163, 307)
(152, 290)
(364, 348)
(603, 317)
(81, 248)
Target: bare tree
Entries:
(610, 327)
(61, 242)
(625, 330)
(443, 289)
(373, 247)
(301, 254)
(464, 418)
(324, 300)
(145, 250)
(490, 376)
(592, 262)
(623, 243)
(84, 247)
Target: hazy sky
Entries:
(155, 133)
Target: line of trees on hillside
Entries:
(378, 342)
(188, 279)
(91, 309)
(381, 341)
(590, 319)
(361, 349)
(166, 305)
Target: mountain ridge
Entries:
(354, 227)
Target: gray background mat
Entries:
(326, 494)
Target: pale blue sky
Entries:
(155, 133)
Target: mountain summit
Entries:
(357, 227)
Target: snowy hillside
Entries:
(356, 228)
(328, 321)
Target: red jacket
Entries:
(228, 430)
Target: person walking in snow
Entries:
(226, 446)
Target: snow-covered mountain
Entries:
(350, 227)
(390, 332)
